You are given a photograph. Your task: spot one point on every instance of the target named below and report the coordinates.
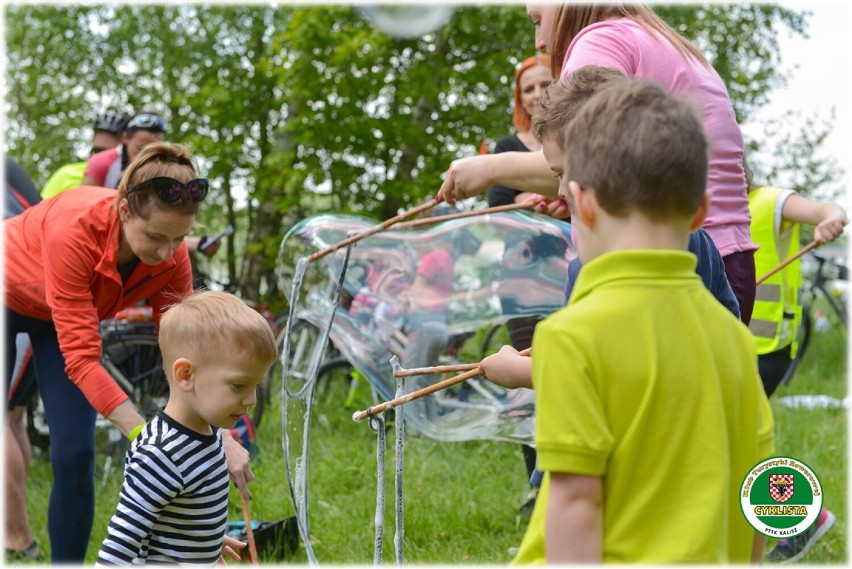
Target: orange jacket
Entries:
(61, 265)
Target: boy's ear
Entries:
(182, 374)
(585, 204)
(701, 213)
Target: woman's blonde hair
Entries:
(520, 116)
(158, 159)
(570, 19)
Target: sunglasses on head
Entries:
(147, 121)
(170, 190)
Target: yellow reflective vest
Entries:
(68, 176)
(777, 311)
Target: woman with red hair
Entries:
(531, 79)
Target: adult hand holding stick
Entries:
(473, 371)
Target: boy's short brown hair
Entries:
(639, 148)
(211, 323)
(561, 101)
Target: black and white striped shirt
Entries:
(173, 506)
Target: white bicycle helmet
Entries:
(111, 122)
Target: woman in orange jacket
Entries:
(73, 261)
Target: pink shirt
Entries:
(624, 45)
(99, 165)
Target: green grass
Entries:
(819, 436)
(461, 498)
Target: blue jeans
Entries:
(536, 478)
(71, 420)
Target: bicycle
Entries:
(302, 337)
(131, 355)
(339, 381)
(827, 271)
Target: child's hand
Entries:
(508, 368)
(231, 544)
(557, 208)
(831, 228)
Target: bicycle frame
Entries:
(818, 284)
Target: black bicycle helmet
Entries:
(111, 122)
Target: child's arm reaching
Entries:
(508, 368)
(574, 524)
(829, 218)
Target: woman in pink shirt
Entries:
(636, 42)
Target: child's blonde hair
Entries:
(210, 323)
(562, 100)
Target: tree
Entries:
(296, 110)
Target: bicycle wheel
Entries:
(37, 429)
(302, 339)
(335, 384)
(496, 337)
(135, 362)
(804, 338)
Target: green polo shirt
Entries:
(646, 381)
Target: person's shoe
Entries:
(31, 554)
(525, 511)
(793, 549)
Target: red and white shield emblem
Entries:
(781, 487)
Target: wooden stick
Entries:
(444, 369)
(249, 531)
(805, 249)
(458, 215)
(375, 229)
(359, 416)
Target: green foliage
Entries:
(378, 118)
(296, 110)
(47, 54)
(805, 168)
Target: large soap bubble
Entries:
(434, 296)
(407, 20)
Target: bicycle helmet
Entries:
(146, 121)
(111, 122)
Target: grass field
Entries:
(461, 498)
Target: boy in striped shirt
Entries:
(173, 504)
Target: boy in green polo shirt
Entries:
(649, 408)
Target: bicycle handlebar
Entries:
(229, 230)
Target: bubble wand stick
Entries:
(461, 214)
(444, 369)
(375, 229)
(787, 261)
(359, 416)
(249, 531)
